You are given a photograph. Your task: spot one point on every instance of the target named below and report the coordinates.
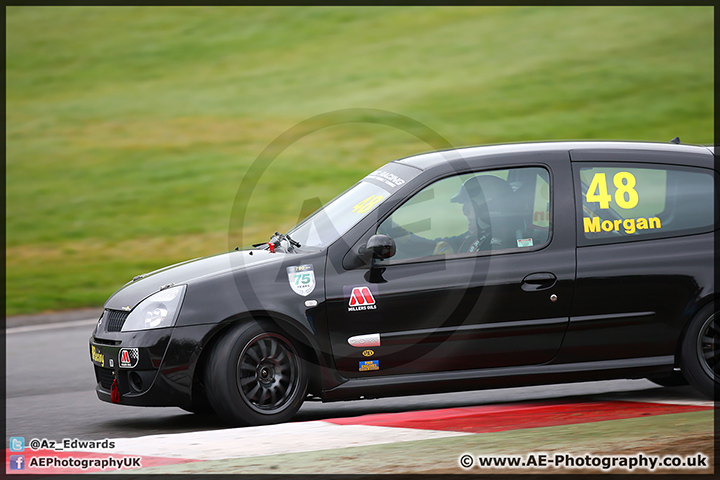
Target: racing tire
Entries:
(700, 353)
(255, 376)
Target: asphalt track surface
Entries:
(50, 393)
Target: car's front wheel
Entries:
(255, 376)
(700, 353)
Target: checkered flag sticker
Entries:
(128, 357)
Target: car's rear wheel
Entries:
(255, 376)
(700, 353)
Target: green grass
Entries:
(129, 129)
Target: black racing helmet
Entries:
(486, 192)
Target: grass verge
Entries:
(129, 129)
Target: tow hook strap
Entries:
(114, 392)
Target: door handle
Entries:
(538, 281)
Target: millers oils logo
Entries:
(361, 298)
(128, 357)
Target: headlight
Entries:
(158, 310)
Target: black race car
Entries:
(473, 268)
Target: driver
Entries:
(481, 198)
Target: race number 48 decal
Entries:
(625, 196)
(367, 204)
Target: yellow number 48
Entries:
(367, 204)
(625, 196)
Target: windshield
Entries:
(341, 214)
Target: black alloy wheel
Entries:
(700, 353)
(708, 347)
(267, 373)
(255, 375)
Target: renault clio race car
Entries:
(465, 269)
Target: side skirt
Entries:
(478, 379)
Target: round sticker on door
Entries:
(302, 279)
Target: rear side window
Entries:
(634, 202)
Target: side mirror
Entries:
(381, 246)
(377, 246)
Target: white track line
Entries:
(300, 437)
(665, 398)
(51, 326)
(268, 440)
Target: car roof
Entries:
(424, 161)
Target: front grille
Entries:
(114, 320)
(105, 377)
(105, 341)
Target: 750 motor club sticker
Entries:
(301, 279)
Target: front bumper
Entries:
(151, 367)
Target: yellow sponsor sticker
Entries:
(97, 356)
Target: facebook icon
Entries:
(17, 462)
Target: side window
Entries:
(492, 211)
(633, 202)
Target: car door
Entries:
(645, 251)
(437, 305)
